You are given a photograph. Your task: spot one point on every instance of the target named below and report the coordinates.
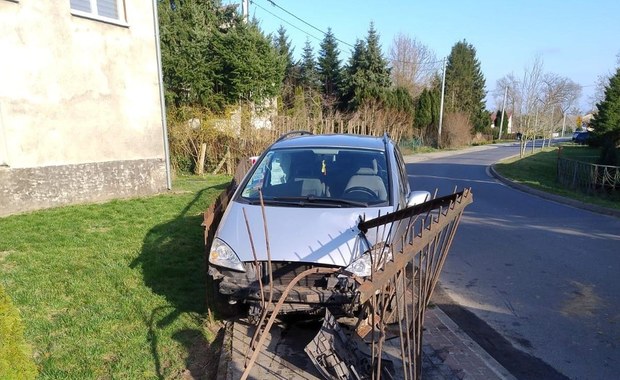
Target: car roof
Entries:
(335, 140)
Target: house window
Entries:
(105, 10)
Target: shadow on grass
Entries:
(173, 265)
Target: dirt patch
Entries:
(582, 301)
(203, 357)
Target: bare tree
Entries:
(559, 95)
(413, 64)
(538, 100)
(599, 87)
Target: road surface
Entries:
(536, 282)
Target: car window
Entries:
(347, 174)
(403, 178)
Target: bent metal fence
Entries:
(586, 177)
(382, 336)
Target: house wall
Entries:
(80, 112)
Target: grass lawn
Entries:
(114, 290)
(539, 171)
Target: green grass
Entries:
(15, 355)
(114, 290)
(539, 171)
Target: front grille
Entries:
(284, 272)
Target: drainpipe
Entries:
(162, 100)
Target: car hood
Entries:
(308, 234)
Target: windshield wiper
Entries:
(337, 202)
(274, 201)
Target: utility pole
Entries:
(443, 89)
(563, 124)
(245, 9)
(535, 128)
(501, 122)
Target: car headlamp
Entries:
(221, 254)
(362, 266)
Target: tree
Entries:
(283, 46)
(538, 100)
(330, 71)
(308, 74)
(601, 83)
(413, 64)
(498, 120)
(248, 66)
(291, 72)
(426, 119)
(211, 58)
(606, 124)
(367, 74)
(185, 33)
(465, 85)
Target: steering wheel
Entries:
(361, 190)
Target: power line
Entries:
(429, 63)
(281, 19)
(307, 23)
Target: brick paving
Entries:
(447, 353)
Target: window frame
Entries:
(93, 15)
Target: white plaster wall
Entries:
(75, 90)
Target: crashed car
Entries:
(298, 208)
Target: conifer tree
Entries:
(329, 69)
(465, 85)
(308, 74)
(282, 44)
(606, 123)
(211, 58)
(367, 73)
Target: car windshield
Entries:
(320, 177)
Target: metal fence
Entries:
(588, 178)
(383, 339)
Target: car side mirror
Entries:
(417, 197)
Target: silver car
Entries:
(314, 190)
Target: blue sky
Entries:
(576, 39)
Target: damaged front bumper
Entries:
(313, 292)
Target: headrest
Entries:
(366, 171)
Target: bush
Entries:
(15, 359)
(456, 131)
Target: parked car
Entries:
(315, 190)
(577, 132)
(582, 138)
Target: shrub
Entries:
(15, 359)
(456, 131)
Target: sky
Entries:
(577, 39)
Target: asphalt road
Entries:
(536, 283)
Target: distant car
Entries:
(315, 189)
(582, 138)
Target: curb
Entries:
(485, 357)
(554, 197)
(415, 158)
(225, 352)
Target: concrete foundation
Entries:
(28, 189)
